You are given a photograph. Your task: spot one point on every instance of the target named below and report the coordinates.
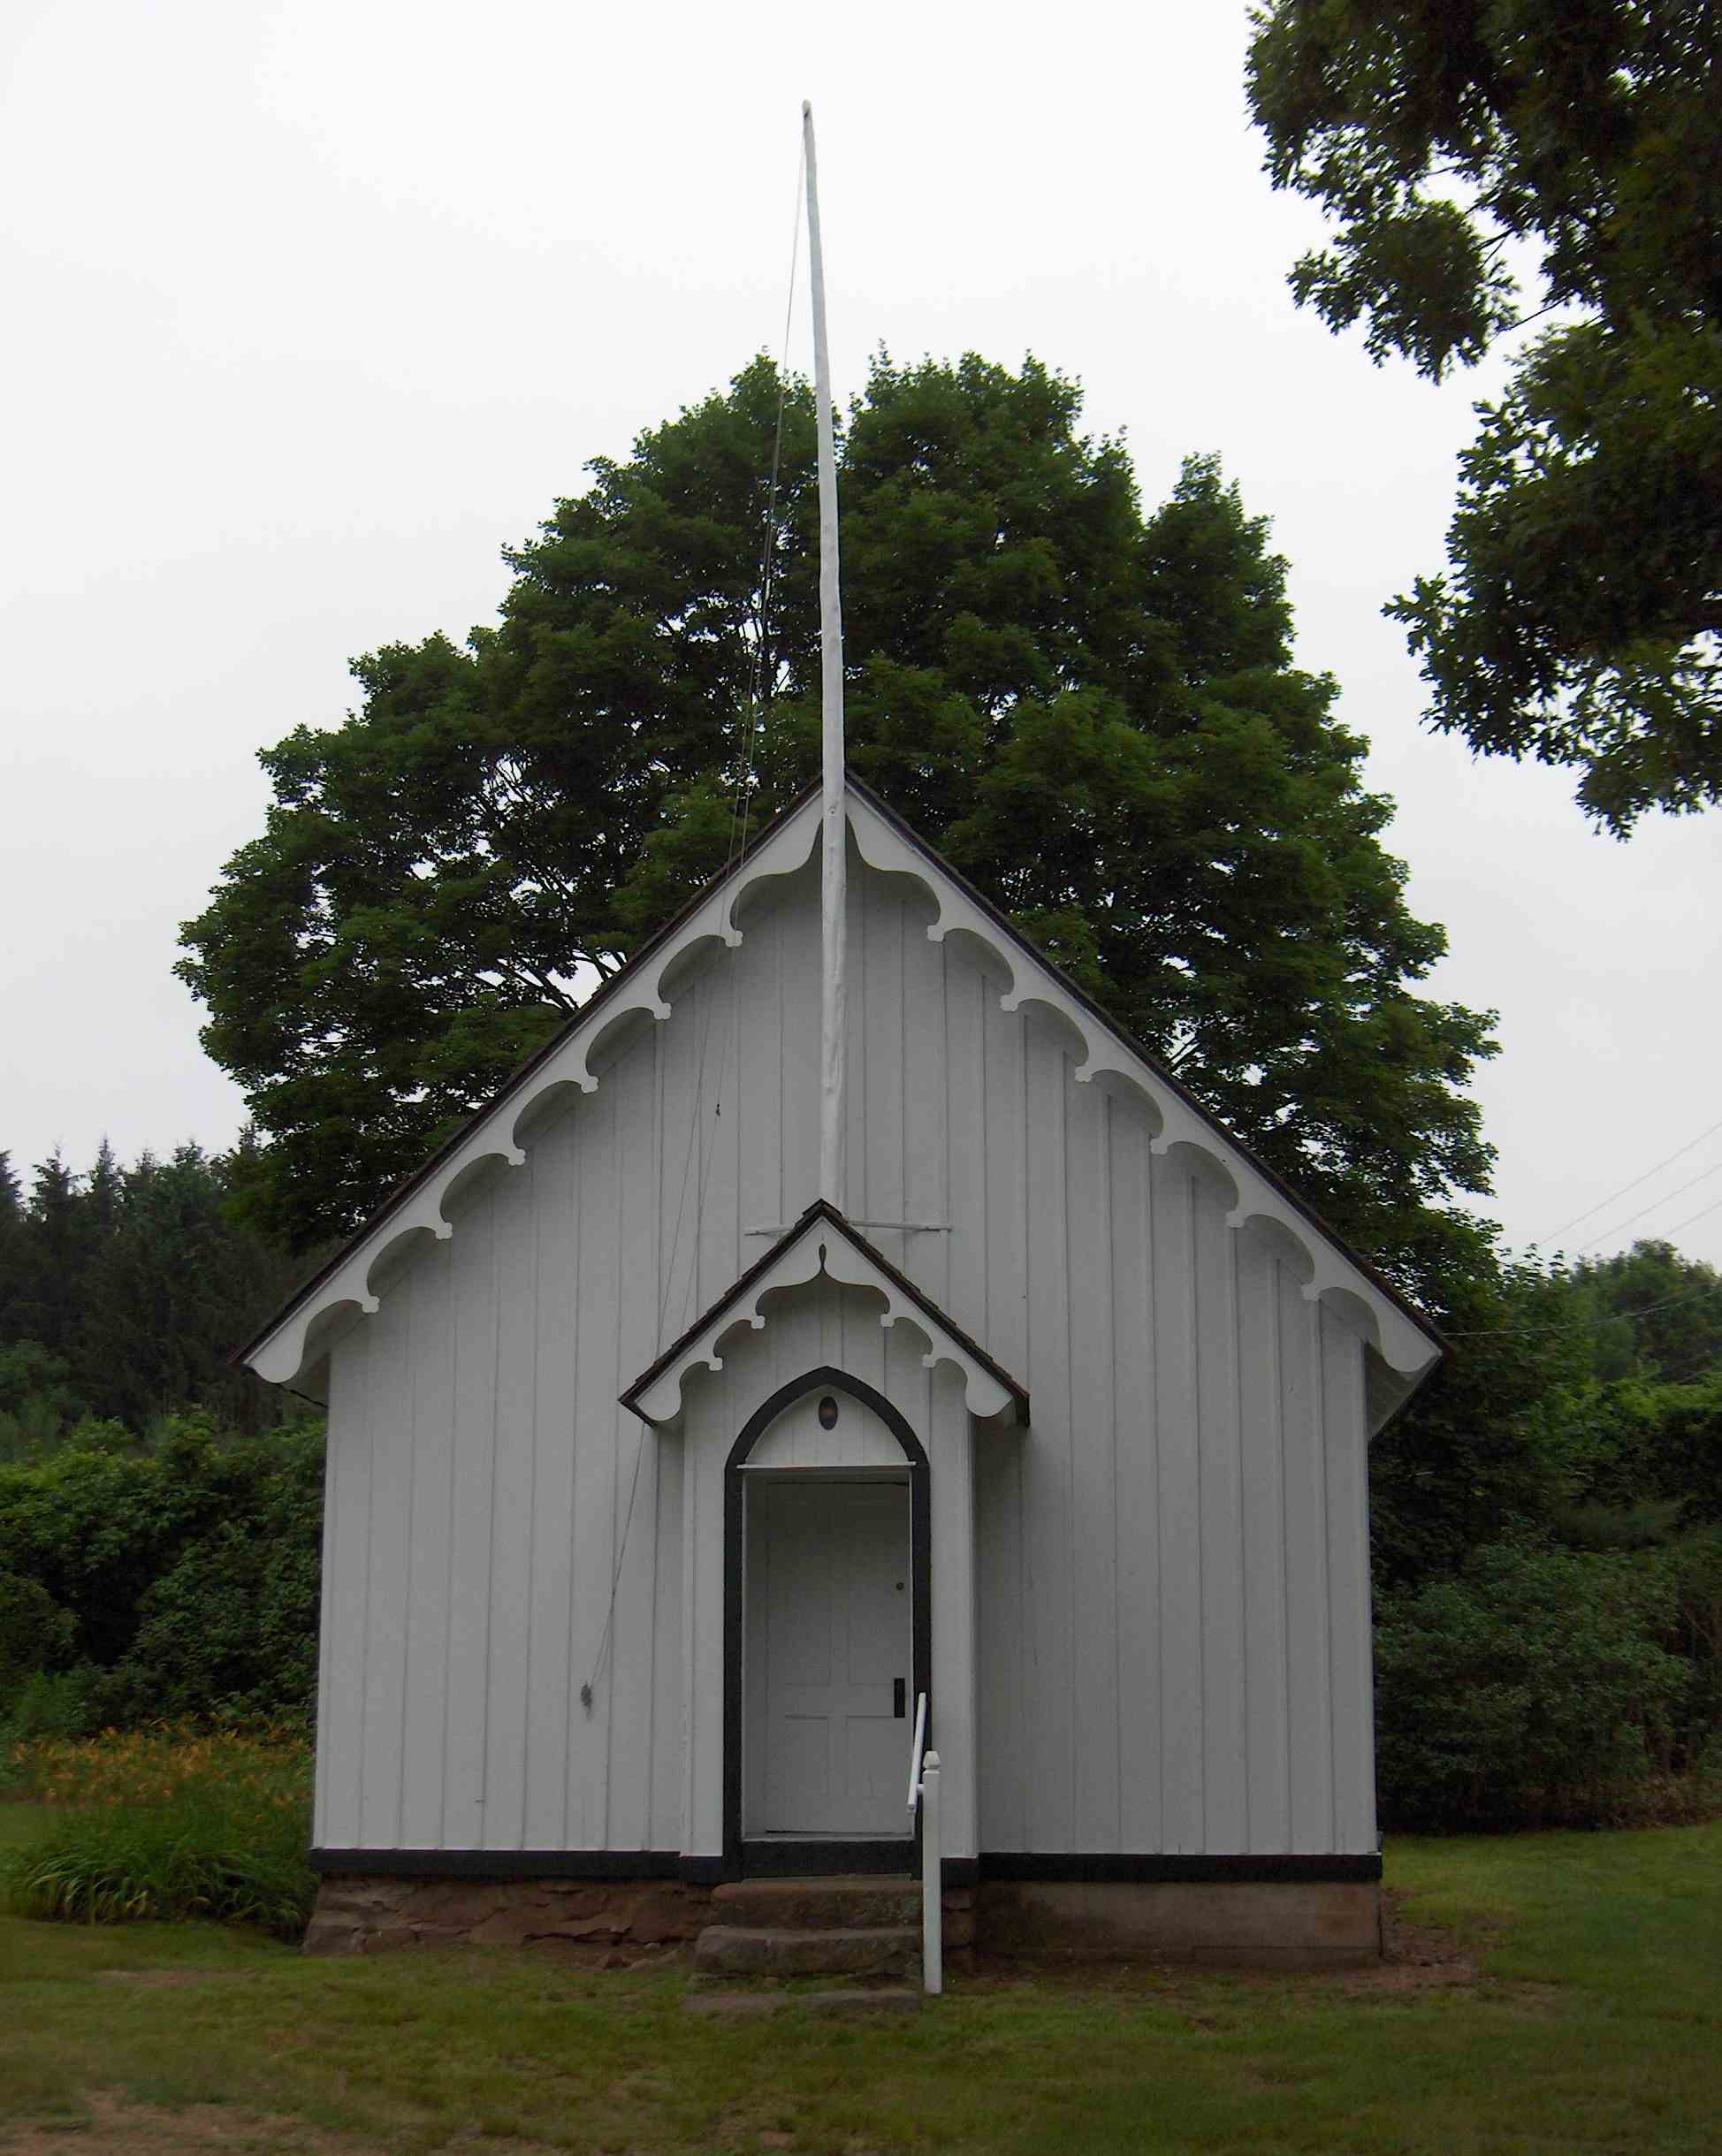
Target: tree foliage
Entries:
(124, 1292)
(182, 1577)
(1470, 150)
(1092, 711)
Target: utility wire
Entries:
(1703, 1176)
(1679, 1153)
(1502, 1332)
(1702, 1213)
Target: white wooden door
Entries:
(838, 1654)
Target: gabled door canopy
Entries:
(822, 1241)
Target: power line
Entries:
(1702, 1213)
(1501, 1332)
(1678, 1153)
(1704, 1176)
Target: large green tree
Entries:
(1095, 712)
(1495, 163)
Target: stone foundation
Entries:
(1277, 1925)
(603, 1918)
(1244, 1925)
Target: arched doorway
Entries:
(828, 1630)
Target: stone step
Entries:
(840, 1902)
(880, 1950)
(881, 1999)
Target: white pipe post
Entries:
(834, 879)
(932, 1884)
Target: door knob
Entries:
(900, 1698)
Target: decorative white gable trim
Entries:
(1177, 1122)
(303, 1332)
(821, 1242)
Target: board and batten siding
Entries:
(1169, 1603)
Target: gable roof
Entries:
(822, 1241)
(1408, 1343)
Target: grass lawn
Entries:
(1566, 1995)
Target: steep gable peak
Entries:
(290, 1347)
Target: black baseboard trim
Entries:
(789, 1860)
(1078, 1867)
(501, 1863)
(804, 1860)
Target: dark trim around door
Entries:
(739, 1857)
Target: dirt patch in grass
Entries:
(117, 2128)
(120, 2129)
(166, 1979)
(1415, 1956)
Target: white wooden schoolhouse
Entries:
(842, 1316)
(659, 1487)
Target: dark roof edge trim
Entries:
(822, 1209)
(1007, 927)
(511, 1085)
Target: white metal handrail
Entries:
(924, 1792)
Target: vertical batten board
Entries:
(863, 1342)
(721, 1414)
(473, 1289)
(326, 1623)
(635, 1488)
(1181, 1643)
(1136, 1523)
(800, 964)
(718, 1153)
(925, 1127)
(793, 1339)
(1261, 1410)
(341, 1711)
(857, 1021)
(596, 1414)
(950, 1440)
(755, 1649)
(967, 1119)
(1223, 1680)
(760, 1110)
(1097, 1671)
(879, 1195)
(506, 1731)
(389, 1365)
(667, 1637)
(684, 1043)
(1048, 1672)
(1348, 1583)
(547, 1683)
(1005, 1329)
(1308, 1673)
(425, 1698)
(1002, 1742)
(695, 1439)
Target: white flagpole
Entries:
(833, 888)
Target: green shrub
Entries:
(168, 1823)
(36, 1633)
(190, 1570)
(1532, 1689)
(49, 1703)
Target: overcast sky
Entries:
(313, 306)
